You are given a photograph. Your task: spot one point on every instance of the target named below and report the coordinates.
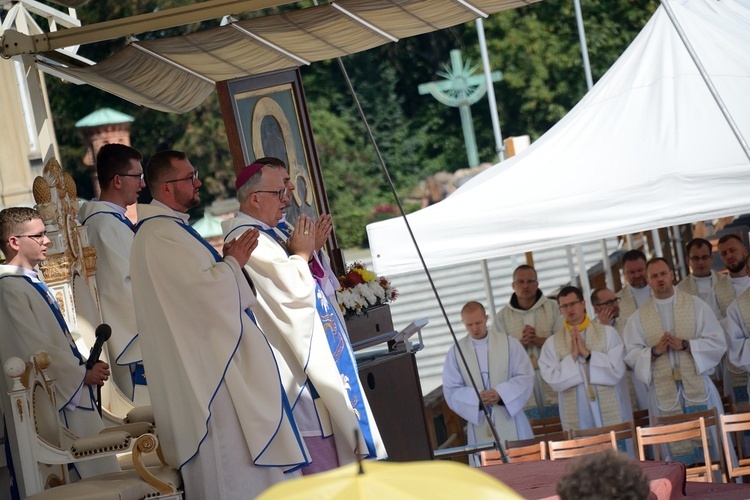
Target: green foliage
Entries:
(535, 47)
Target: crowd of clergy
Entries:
(244, 356)
(652, 345)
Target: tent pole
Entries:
(657, 251)
(571, 266)
(499, 146)
(584, 45)
(389, 181)
(706, 78)
(605, 262)
(677, 238)
(584, 277)
(488, 289)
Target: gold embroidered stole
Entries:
(544, 320)
(605, 395)
(721, 285)
(667, 373)
(499, 367)
(627, 302)
(738, 375)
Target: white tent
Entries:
(647, 147)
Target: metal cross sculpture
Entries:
(461, 88)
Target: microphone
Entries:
(103, 333)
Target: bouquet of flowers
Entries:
(361, 289)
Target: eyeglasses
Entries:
(563, 307)
(192, 178)
(698, 258)
(610, 302)
(524, 282)
(39, 238)
(140, 176)
(280, 193)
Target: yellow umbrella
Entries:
(394, 481)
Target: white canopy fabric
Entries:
(647, 147)
(177, 74)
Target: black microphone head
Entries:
(104, 331)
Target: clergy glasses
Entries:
(192, 178)
(39, 238)
(280, 193)
(609, 302)
(569, 305)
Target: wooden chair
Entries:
(556, 436)
(582, 446)
(726, 404)
(710, 418)
(625, 430)
(527, 453)
(641, 418)
(46, 447)
(740, 408)
(671, 433)
(545, 426)
(736, 426)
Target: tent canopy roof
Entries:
(647, 147)
(177, 74)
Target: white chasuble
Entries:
(197, 335)
(288, 314)
(111, 234)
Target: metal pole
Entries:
(488, 289)
(605, 262)
(657, 251)
(680, 264)
(571, 266)
(584, 277)
(706, 78)
(499, 146)
(584, 46)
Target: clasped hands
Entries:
(489, 397)
(667, 341)
(578, 346)
(529, 337)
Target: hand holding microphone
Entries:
(97, 372)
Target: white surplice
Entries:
(707, 348)
(29, 325)
(112, 238)
(515, 390)
(604, 368)
(287, 313)
(738, 335)
(197, 341)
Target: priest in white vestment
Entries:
(32, 321)
(320, 265)
(607, 308)
(717, 291)
(734, 253)
(737, 328)
(224, 419)
(673, 342)
(498, 363)
(637, 291)
(300, 321)
(584, 363)
(531, 318)
(120, 176)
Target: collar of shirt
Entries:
(182, 215)
(255, 221)
(117, 208)
(30, 273)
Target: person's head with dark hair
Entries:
(660, 277)
(606, 304)
(572, 305)
(173, 181)
(604, 476)
(474, 318)
(634, 268)
(700, 255)
(120, 174)
(733, 253)
(23, 239)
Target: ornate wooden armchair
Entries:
(45, 447)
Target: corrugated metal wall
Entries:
(459, 284)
